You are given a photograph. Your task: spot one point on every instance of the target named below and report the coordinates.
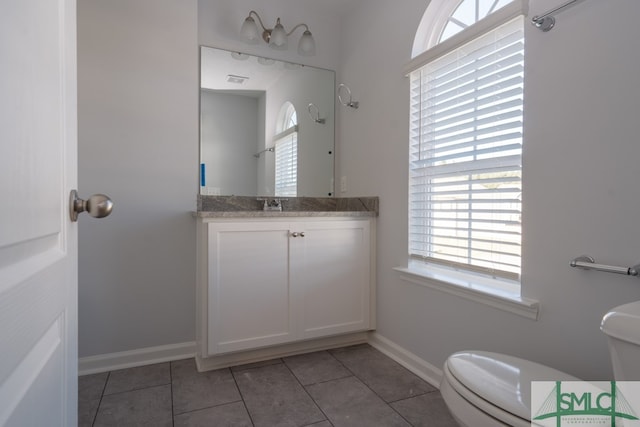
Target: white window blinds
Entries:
(465, 154)
(287, 163)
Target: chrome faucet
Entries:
(271, 204)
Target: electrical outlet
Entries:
(343, 184)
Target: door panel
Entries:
(249, 288)
(38, 255)
(331, 277)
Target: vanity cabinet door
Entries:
(249, 291)
(331, 277)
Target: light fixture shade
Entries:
(307, 45)
(249, 30)
(278, 37)
(239, 56)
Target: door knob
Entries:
(98, 205)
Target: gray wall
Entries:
(219, 23)
(230, 137)
(138, 95)
(315, 164)
(138, 143)
(581, 192)
(138, 113)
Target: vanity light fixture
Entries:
(277, 36)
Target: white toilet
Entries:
(491, 389)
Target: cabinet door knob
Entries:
(294, 234)
(302, 234)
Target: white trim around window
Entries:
(440, 151)
(496, 294)
(496, 19)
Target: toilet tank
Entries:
(622, 327)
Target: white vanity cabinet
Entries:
(269, 282)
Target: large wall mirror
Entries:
(266, 126)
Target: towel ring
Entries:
(315, 117)
(350, 103)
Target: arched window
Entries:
(286, 146)
(466, 97)
(444, 19)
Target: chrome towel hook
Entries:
(350, 103)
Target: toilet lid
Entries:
(503, 381)
(623, 322)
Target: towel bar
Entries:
(588, 263)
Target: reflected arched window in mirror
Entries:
(286, 146)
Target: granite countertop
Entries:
(281, 214)
(251, 207)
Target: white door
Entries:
(38, 243)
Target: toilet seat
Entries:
(495, 384)
(467, 406)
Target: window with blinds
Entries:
(287, 162)
(286, 151)
(465, 154)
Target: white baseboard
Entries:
(166, 353)
(133, 358)
(415, 364)
(284, 350)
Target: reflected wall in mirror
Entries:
(259, 134)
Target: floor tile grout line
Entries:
(384, 400)
(282, 361)
(173, 422)
(256, 367)
(307, 393)
(367, 385)
(388, 404)
(325, 381)
(244, 403)
(328, 381)
(410, 397)
(138, 389)
(209, 407)
(354, 375)
(219, 404)
(104, 387)
(380, 397)
(343, 365)
(204, 408)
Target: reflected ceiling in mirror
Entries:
(266, 126)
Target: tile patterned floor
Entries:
(353, 386)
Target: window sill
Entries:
(474, 289)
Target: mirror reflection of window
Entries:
(286, 152)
